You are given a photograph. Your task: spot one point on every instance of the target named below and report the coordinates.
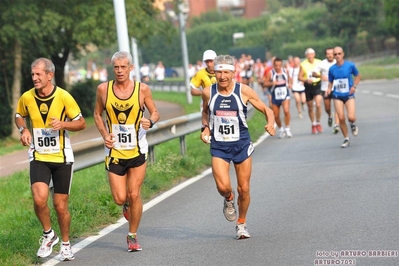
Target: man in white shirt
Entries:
(145, 72)
(323, 68)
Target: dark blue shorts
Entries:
(343, 98)
(236, 154)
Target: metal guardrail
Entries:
(91, 152)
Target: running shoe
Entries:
(319, 129)
(229, 210)
(300, 115)
(281, 135)
(288, 133)
(46, 245)
(132, 244)
(66, 252)
(314, 129)
(336, 129)
(345, 144)
(242, 231)
(355, 130)
(124, 210)
(330, 121)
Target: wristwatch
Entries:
(203, 127)
(152, 123)
(21, 129)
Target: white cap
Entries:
(309, 51)
(209, 55)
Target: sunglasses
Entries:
(337, 54)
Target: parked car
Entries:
(171, 72)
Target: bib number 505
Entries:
(46, 141)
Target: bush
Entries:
(85, 95)
(298, 48)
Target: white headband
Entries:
(224, 67)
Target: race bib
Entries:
(47, 141)
(280, 93)
(341, 85)
(310, 76)
(226, 126)
(125, 137)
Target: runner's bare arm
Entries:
(267, 82)
(205, 115)
(73, 125)
(249, 95)
(26, 137)
(97, 114)
(147, 100)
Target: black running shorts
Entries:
(60, 173)
(312, 90)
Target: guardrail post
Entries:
(151, 154)
(183, 145)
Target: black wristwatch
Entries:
(152, 123)
(203, 127)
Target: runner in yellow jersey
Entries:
(124, 134)
(312, 88)
(205, 77)
(52, 112)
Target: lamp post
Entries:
(182, 26)
(135, 59)
(121, 25)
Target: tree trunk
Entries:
(397, 46)
(16, 86)
(59, 63)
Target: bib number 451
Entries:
(226, 129)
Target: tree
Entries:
(346, 18)
(391, 8)
(55, 29)
(210, 17)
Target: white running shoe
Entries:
(242, 231)
(288, 133)
(229, 210)
(282, 134)
(345, 144)
(355, 130)
(46, 245)
(66, 253)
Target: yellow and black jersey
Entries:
(202, 79)
(49, 145)
(123, 118)
(308, 69)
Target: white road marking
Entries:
(392, 95)
(365, 91)
(378, 93)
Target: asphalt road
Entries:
(310, 199)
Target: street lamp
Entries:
(182, 26)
